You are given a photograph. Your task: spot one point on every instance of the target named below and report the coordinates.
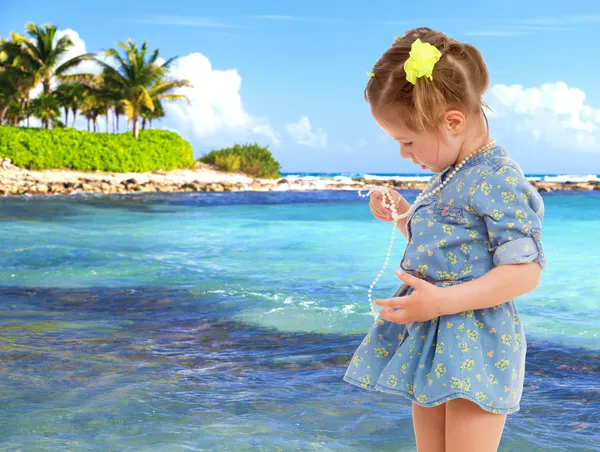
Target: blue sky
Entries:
(291, 75)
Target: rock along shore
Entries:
(18, 181)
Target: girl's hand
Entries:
(421, 305)
(376, 205)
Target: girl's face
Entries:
(427, 150)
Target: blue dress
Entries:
(487, 215)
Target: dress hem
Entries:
(455, 395)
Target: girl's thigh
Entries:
(429, 424)
(470, 428)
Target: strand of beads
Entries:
(386, 196)
(425, 194)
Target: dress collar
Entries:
(479, 158)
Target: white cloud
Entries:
(77, 49)
(552, 113)
(215, 113)
(302, 133)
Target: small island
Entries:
(58, 159)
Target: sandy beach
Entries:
(18, 181)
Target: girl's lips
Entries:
(423, 167)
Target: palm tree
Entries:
(64, 96)
(105, 96)
(108, 94)
(139, 81)
(87, 107)
(149, 115)
(79, 93)
(15, 113)
(46, 108)
(118, 110)
(91, 108)
(44, 54)
(97, 111)
(16, 78)
(9, 94)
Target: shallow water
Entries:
(225, 321)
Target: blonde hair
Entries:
(460, 78)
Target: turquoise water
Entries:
(225, 321)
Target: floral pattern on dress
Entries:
(487, 215)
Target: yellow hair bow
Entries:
(423, 57)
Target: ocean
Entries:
(426, 176)
(560, 178)
(226, 320)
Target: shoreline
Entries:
(203, 178)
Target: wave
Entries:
(407, 177)
(566, 178)
(347, 177)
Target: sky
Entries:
(291, 75)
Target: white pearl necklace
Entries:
(388, 203)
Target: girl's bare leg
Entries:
(429, 424)
(469, 428)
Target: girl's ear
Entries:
(454, 122)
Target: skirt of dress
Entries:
(478, 355)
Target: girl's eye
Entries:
(409, 143)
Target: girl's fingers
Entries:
(381, 216)
(394, 302)
(378, 204)
(378, 210)
(395, 317)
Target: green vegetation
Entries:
(134, 87)
(251, 159)
(37, 149)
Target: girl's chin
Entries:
(425, 167)
(433, 170)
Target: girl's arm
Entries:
(513, 212)
(499, 285)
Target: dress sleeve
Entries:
(513, 212)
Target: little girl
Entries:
(450, 338)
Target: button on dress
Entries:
(487, 215)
